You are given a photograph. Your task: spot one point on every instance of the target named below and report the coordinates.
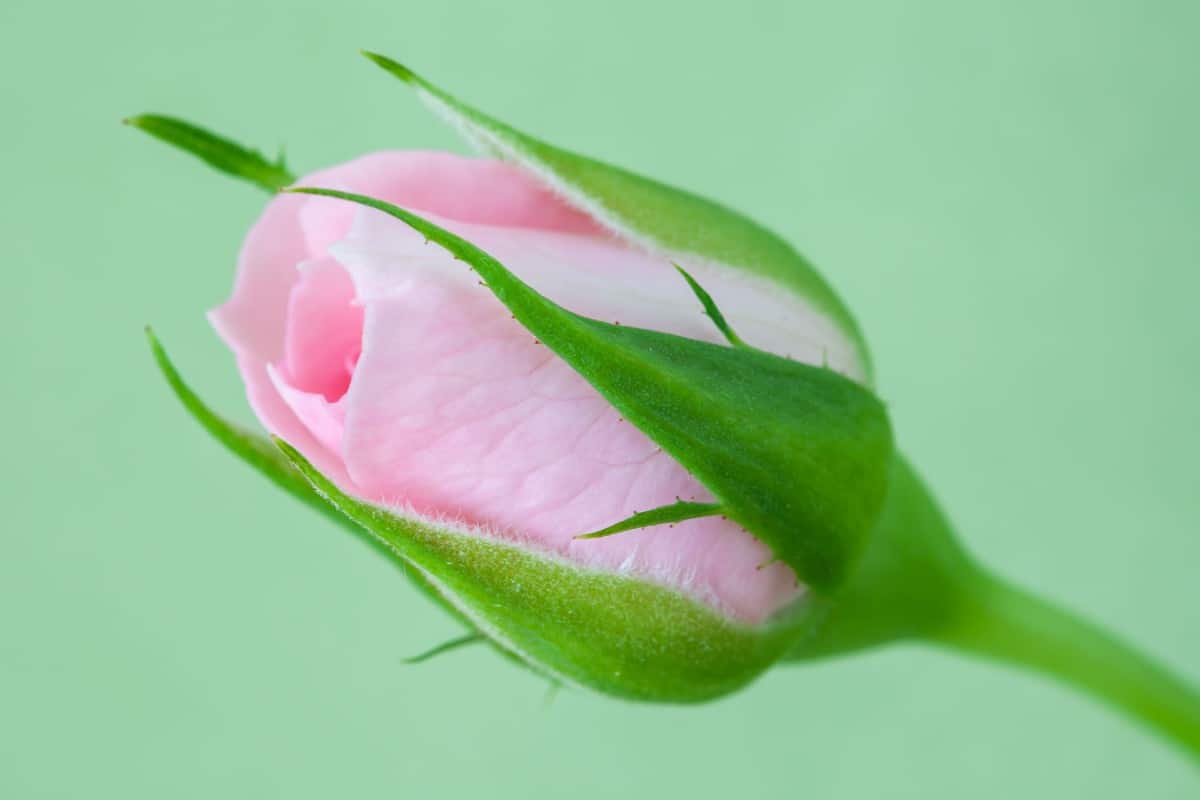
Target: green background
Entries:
(1006, 194)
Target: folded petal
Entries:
(455, 409)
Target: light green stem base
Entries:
(1003, 622)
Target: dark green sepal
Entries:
(218, 152)
(676, 512)
(797, 454)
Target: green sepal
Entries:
(446, 647)
(261, 454)
(218, 152)
(652, 214)
(675, 512)
(610, 632)
(711, 309)
(798, 455)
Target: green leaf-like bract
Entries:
(645, 210)
(796, 454)
(222, 154)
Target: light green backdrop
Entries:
(1007, 194)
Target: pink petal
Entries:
(324, 419)
(466, 189)
(252, 323)
(323, 332)
(452, 408)
(295, 228)
(455, 409)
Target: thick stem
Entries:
(1003, 622)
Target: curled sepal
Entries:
(797, 454)
(657, 217)
(224, 155)
(610, 632)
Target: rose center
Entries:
(323, 339)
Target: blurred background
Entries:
(1005, 194)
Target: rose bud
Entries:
(625, 434)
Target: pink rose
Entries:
(411, 402)
(407, 383)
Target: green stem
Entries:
(916, 582)
(1003, 622)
